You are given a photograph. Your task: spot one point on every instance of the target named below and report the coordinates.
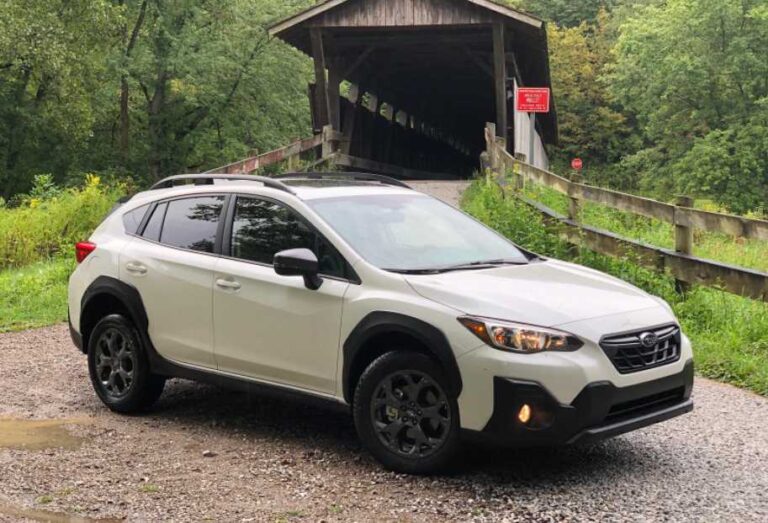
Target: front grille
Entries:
(628, 353)
(640, 406)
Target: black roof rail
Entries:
(210, 179)
(363, 177)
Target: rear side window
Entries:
(191, 223)
(132, 220)
(155, 223)
(263, 228)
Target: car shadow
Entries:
(331, 431)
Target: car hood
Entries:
(547, 294)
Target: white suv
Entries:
(357, 290)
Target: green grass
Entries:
(729, 333)
(34, 296)
(751, 254)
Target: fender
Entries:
(126, 294)
(380, 322)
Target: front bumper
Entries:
(600, 411)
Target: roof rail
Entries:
(210, 179)
(364, 177)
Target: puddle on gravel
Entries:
(45, 516)
(37, 435)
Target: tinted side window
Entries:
(262, 228)
(155, 223)
(132, 220)
(191, 223)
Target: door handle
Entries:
(228, 284)
(136, 268)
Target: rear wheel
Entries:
(405, 415)
(119, 368)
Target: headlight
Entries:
(518, 337)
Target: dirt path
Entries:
(210, 454)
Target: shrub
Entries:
(49, 220)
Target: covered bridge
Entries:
(410, 84)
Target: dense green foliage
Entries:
(49, 220)
(566, 13)
(142, 87)
(666, 97)
(729, 333)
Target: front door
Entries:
(271, 327)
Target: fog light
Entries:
(525, 414)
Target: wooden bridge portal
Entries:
(410, 84)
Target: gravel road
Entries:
(209, 454)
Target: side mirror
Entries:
(299, 262)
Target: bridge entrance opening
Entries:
(408, 85)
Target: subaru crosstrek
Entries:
(428, 326)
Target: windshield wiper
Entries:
(485, 264)
(478, 265)
(413, 271)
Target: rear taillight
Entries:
(83, 249)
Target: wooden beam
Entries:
(351, 68)
(350, 118)
(318, 54)
(500, 80)
(334, 101)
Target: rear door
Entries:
(171, 263)
(272, 327)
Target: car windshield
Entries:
(415, 233)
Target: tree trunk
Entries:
(157, 142)
(125, 123)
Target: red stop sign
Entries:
(577, 164)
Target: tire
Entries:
(119, 367)
(404, 414)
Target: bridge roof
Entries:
(430, 58)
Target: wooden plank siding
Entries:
(404, 13)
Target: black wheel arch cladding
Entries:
(384, 323)
(105, 287)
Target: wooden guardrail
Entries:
(680, 263)
(254, 163)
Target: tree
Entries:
(564, 13)
(50, 57)
(196, 65)
(693, 72)
(589, 126)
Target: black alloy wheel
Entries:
(406, 414)
(411, 414)
(119, 367)
(116, 362)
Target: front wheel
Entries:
(119, 367)
(405, 415)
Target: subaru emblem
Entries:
(649, 339)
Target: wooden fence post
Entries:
(683, 237)
(574, 198)
(330, 141)
(490, 142)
